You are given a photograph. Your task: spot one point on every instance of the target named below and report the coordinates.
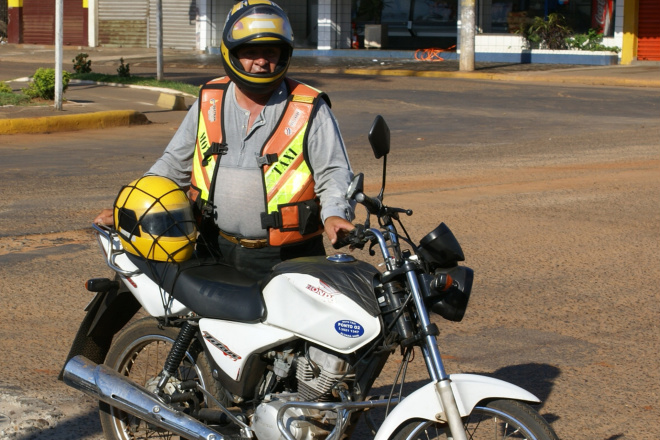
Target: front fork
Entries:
(429, 343)
(433, 359)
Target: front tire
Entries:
(498, 419)
(139, 353)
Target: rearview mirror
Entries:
(379, 137)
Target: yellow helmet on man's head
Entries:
(256, 22)
(155, 220)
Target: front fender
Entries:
(469, 390)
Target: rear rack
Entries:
(113, 249)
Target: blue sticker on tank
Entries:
(349, 329)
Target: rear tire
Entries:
(139, 352)
(498, 419)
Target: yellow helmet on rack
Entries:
(155, 221)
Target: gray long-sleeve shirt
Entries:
(239, 193)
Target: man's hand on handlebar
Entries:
(336, 227)
(356, 238)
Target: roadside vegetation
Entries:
(552, 32)
(8, 97)
(41, 88)
(137, 80)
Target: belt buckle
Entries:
(252, 244)
(247, 243)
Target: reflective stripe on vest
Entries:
(288, 181)
(209, 132)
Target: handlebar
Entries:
(373, 205)
(360, 236)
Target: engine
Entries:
(316, 372)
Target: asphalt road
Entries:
(551, 190)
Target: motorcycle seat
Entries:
(208, 288)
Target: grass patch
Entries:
(15, 99)
(8, 98)
(138, 80)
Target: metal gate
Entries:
(123, 23)
(648, 34)
(179, 24)
(39, 22)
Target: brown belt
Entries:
(248, 243)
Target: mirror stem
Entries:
(382, 188)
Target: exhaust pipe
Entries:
(118, 391)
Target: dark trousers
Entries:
(257, 263)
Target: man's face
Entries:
(259, 59)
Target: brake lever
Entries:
(371, 248)
(394, 212)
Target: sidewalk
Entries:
(101, 102)
(366, 62)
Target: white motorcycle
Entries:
(292, 357)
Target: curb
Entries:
(130, 86)
(546, 78)
(86, 121)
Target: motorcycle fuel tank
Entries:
(329, 303)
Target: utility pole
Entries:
(159, 40)
(466, 61)
(59, 41)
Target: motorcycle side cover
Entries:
(468, 390)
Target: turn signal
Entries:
(101, 285)
(453, 302)
(442, 282)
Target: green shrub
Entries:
(81, 64)
(124, 70)
(4, 88)
(592, 40)
(548, 34)
(43, 84)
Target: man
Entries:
(259, 151)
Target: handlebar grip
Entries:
(342, 241)
(355, 238)
(372, 204)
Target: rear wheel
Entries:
(499, 419)
(139, 353)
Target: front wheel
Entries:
(498, 419)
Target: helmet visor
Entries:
(172, 223)
(262, 24)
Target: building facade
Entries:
(632, 25)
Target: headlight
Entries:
(440, 248)
(448, 292)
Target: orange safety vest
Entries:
(293, 211)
